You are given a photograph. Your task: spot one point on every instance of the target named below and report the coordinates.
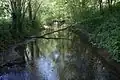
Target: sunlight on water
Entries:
(47, 69)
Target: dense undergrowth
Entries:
(104, 31)
(17, 21)
(9, 37)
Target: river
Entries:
(53, 65)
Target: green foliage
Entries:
(52, 9)
(4, 8)
(5, 34)
(15, 25)
(105, 31)
(100, 19)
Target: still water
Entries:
(55, 66)
(43, 69)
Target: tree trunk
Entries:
(30, 10)
(101, 7)
(32, 51)
(37, 49)
(110, 4)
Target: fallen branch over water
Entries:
(50, 37)
(55, 31)
(42, 36)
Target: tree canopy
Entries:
(99, 18)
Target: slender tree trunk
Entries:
(110, 4)
(30, 10)
(27, 53)
(32, 51)
(101, 7)
(37, 49)
(17, 17)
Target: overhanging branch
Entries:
(52, 38)
(43, 36)
(55, 31)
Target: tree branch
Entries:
(37, 10)
(55, 31)
(51, 38)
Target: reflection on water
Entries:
(59, 65)
(23, 75)
(44, 68)
(47, 69)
